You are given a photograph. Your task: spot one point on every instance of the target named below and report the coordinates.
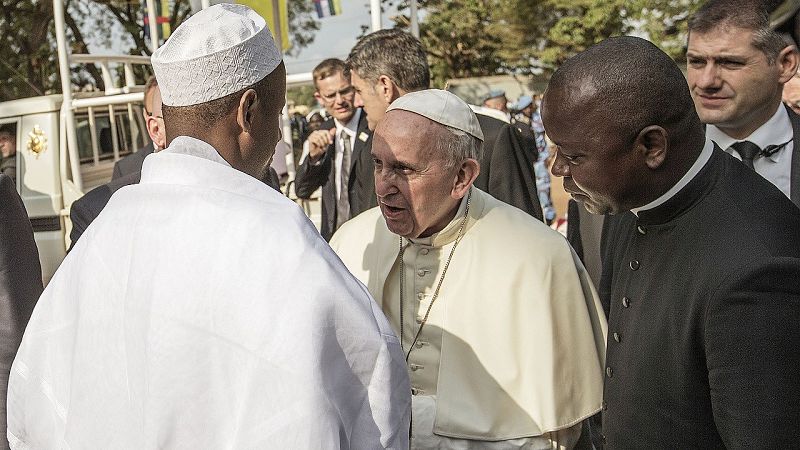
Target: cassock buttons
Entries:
(641, 229)
(416, 391)
(419, 344)
(626, 302)
(617, 337)
(634, 265)
(421, 272)
(420, 295)
(609, 372)
(424, 251)
(415, 367)
(419, 319)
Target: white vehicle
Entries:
(50, 175)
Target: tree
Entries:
(28, 56)
(467, 38)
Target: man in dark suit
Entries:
(152, 117)
(701, 271)
(20, 283)
(388, 64)
(337, 156)
(127, 170)
(736, 68)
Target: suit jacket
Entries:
(20, 283)
(795, 171)
(507, 165)
(85, 209)
(705, 317)
(131, 163)
(361, 185)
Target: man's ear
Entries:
(245, 114)
(787, 61)
(155, 129)
(465, 176)
(318, 97)
(652, 143)
(387, 89)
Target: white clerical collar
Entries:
(777, 130)
(186, 145)
(350, 127)
(448, 233)
(701, 161)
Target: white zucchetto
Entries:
(216, 52)
(442, 107)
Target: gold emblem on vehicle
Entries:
(37, 143)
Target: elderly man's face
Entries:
(732, 83)
(413, 184)
(595, 158)
(336, 94)
(367, 95)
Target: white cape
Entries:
(202, 310)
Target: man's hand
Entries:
(318, 141)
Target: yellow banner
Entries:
(265, 8)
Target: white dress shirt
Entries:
(776, 168)
(351, 128)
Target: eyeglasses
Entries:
(344, 92)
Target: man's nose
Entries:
(384, 184)
(560, 167)
(709, 77)
(358, 102)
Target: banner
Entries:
(265, 9)
(162, 20)
(327, 8)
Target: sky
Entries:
(336, 36)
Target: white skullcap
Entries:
(216, 52)
(442, 107)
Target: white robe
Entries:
(202, 310)
(514, 346)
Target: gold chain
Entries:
(438, 285)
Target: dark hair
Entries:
(634, 79)
(750, 15)
(393, 53)
(10, 128)
(214, 110)
(328, 68)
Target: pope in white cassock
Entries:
(202, 310)
(503, 334)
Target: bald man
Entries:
(701, 271)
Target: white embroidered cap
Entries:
(216, 52)
(442, 107)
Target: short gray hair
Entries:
(457, 146)
(393, 53)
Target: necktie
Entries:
(343, 203)
(748, 151)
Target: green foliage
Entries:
(467, 38)
(28, 57)
(302, 95)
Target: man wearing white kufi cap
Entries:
(503, 334)
(201, 309)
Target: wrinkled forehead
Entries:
(406, 128)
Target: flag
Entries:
(264, 8)
(327, 8)
(162, 19)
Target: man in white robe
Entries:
(503, 334)
(201, 309)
